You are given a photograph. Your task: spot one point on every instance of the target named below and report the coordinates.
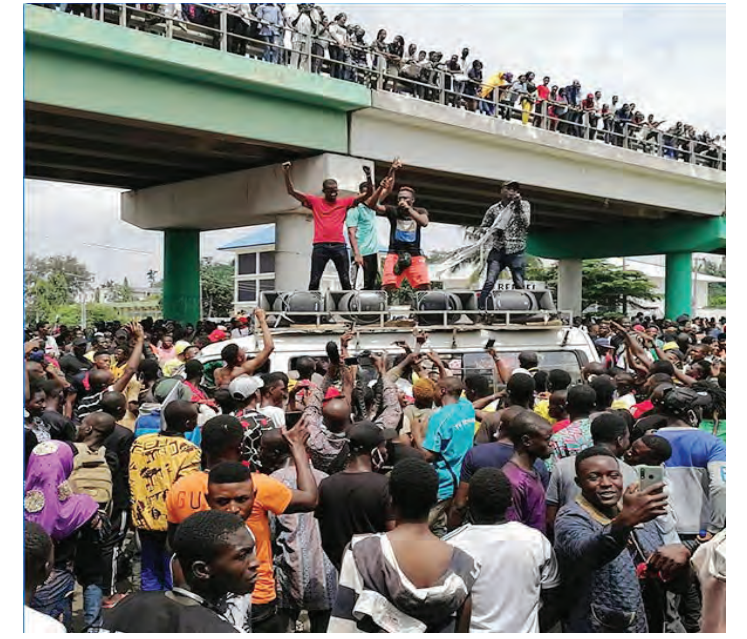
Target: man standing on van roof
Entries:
(507, 222)
(329, 221)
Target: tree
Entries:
(606, 286)
(51, 282)
(118, 292)
(70, 315)
(217, 282)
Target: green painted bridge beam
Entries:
(640, 237)
(181, 275)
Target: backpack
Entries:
(91, 475)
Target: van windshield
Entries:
(480, 363)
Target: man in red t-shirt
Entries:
(329, 222)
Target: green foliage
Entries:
(70, 315)
(118, 292)
(217, 281)
(606, 285)
(52, 282)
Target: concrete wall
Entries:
(431, 136)
(243, 198)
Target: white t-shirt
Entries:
(35, 622)
(277, 415)
(516, 563)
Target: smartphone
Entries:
(292, 418)
(351, 361)
(650, 475)
(490, 343)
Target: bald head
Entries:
(508, 414)
(95, 428)
(99, 379)
(593, 368)
(451, 389)
(273, 450)
(115, 404)
(336, 413)
(180, 416)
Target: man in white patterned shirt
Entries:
(508, 221)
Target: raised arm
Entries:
(134, 362)
(363, 197)
(250, 366)
(306, 497)
(503, 370)
(290, 188)
(438, 363)
(391, 409)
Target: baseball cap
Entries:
(639, 328)
(679, 400)
(366, 435)
(181, 346)
(166, 385)
(511, 184)
(669, 346)
(245, 386)
(217, 336)
(604, 342)
(81, 341)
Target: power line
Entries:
(118, 248)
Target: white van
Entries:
(462, 348)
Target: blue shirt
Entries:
(151, 423)
(270, 13)
(364, 219)
(450, 433)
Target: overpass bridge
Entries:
(197, 136)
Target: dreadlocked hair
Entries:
(717, 395)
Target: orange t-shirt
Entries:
(187, 496)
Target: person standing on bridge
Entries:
(508, 223)
(329, 221)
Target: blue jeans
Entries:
(272, 53)
(92, 596)
(497, 261)
(155, 561)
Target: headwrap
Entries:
(49, 500)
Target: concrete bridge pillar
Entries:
(569, 286)
(678, 284)
(294, 234)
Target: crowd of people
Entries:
(229, 496)
(303, 36)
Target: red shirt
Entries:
(558, 426)
(329, 217)
(637, 410)
(543, 92)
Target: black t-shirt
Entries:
(60, 427)
(351, 504)
(161, 612)
(119, 444)
(70, 365)
(404, 232)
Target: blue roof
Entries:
(258, 237)
(264, 235)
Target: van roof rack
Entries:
(306, 310)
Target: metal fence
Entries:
(220, 28)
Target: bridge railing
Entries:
(221, 28)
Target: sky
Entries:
(648, 54)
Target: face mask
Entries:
(377, 459)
